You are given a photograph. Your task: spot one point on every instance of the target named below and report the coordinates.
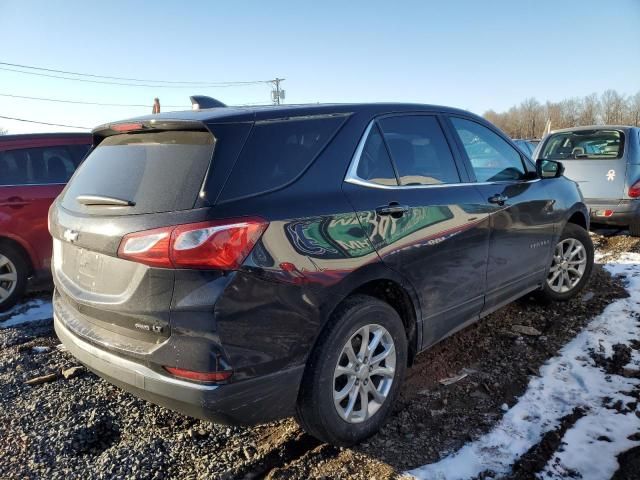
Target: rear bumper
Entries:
(246, 402)
(623, 212)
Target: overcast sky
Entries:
(465, 53)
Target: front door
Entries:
(424, 222)
(521, 208)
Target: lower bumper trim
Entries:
(247, 402)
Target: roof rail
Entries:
(199, 102)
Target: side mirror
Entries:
(549, 168)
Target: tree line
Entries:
(529, 119)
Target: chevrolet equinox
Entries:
(247, 264)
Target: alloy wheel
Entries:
(568, 265)
(364, 373)
(8, 278)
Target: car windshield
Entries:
(584, 144)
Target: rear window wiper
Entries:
(103, 200)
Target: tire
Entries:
(317, 411)
(634, 228)
(562, 281)
(14, 270)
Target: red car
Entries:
(34, 169)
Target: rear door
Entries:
(422, 219)
(594, 158)
(521, 208)
(160, 175)
(32, 178)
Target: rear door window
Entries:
(419, 150)
(374, 164)
(38, 166)
(158, 171)
(13, 168)
(584, 145)
(50, 165)
(277, 151)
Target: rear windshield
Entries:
(584, 144)
(277, 151)
(159, 172)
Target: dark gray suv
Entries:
(247, 264)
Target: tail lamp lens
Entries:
(634, 190)
(206, 245)
(150, 247)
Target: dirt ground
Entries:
(83, 427)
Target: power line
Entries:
(86, 80)
(148, 85)
(80, 102)
(43, 123)
(201, 83)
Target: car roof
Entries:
(624, 128)
(256, 113)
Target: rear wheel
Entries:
(634, 228)
(13, 276)
(354, 373)
(570, 266)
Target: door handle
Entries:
(498, 198)
(394, 209)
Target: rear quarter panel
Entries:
(313, 254)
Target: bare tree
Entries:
(613, 107)
(3, 131)
(532, 117)
(633, 110)
(553, 114)
(590, 112)
(528, 120)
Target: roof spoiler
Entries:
(199, 102)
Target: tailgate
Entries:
(130, 182)
(598, 179)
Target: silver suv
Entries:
(605, 162)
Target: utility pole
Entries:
(277, 94)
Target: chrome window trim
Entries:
(32, 184)
(353, 178)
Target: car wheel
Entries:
(634, 228)
(354, 373)
(570, 266)
(13, 276)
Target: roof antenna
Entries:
(198, 102)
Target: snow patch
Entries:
(30, 311)
(566, 381)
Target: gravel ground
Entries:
(80, 427)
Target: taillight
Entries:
(634, 190)
(220, 245)
(150, 247)
(126, 127)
